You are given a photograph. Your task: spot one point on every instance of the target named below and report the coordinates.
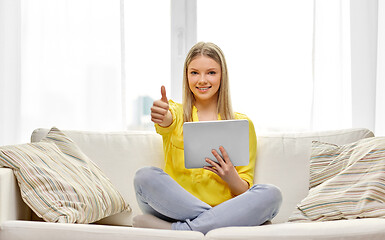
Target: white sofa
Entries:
(282, 159)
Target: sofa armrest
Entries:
(12, 206)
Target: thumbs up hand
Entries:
(160, 112)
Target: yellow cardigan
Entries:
(201, 183)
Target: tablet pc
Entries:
(200, 138)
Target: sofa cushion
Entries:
(348, 182)
(16, 230)
(59, 182)
(358, 229)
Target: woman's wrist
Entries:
(167, 121)
(238, 186)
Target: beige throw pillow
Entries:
(347, 182)
(60, 183)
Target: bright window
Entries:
(99, 64)
(268, 48)
(70, 65)
(147, 57)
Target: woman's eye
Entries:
(194, 73)
(212, 72)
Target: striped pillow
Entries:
(325, 162)
(347, 182)
(60, 183)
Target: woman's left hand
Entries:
(226, 170)
(223, 167)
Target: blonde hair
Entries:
(212, 51)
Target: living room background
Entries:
(294, 65)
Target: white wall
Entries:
(9, 71)
(364, 62)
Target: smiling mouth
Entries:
(203, 88)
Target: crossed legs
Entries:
(175, 208)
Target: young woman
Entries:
(201, 199)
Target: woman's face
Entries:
(204, 78)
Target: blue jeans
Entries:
(160, 195)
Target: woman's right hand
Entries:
(160, 112)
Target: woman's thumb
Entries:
(163, 92)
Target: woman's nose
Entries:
(202, 79)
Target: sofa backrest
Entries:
(282, 159)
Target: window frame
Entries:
(183, 37)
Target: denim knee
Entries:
(273, 196)
(145, 176)
(274, 192)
